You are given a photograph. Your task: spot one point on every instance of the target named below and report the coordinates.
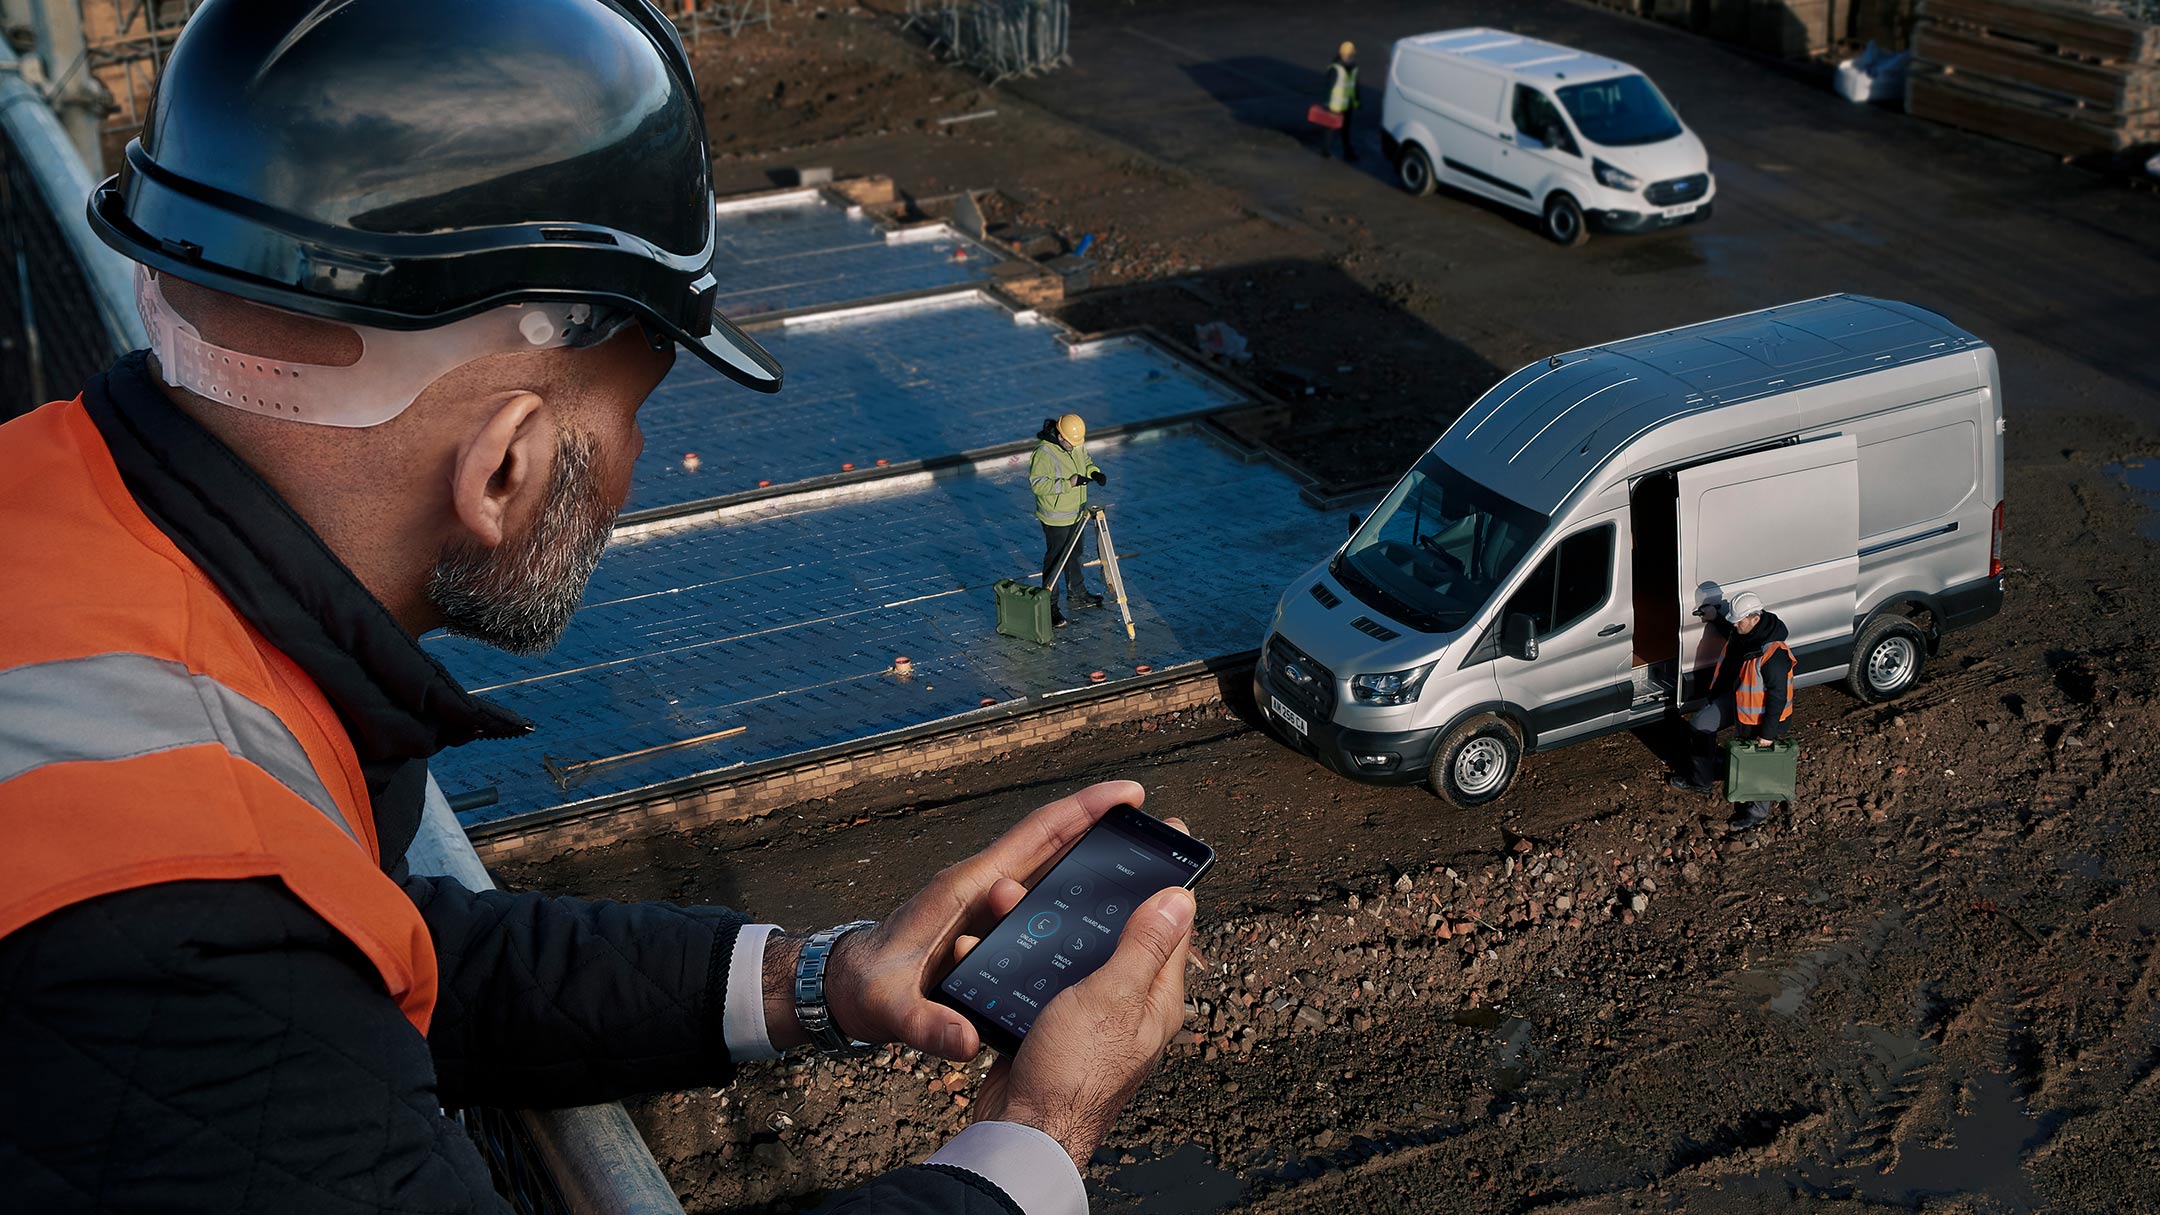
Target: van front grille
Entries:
(1303, 684)
(1677, 190)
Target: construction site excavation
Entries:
(1452, 469)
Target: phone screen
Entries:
(1069, 923)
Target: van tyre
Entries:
(1887, 659)
(1415, 170)
(1564, 223)
(1476, 763)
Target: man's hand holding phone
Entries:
(1093, 1044)
(1099, 1039)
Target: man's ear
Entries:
(502, 468)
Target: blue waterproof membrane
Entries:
(785, 617)
(802, 255)
(902, 384)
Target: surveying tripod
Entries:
(1111, 577)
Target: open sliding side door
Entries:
(1784, 524)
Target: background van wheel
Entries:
(1887, 659)
(1415, 170)
(1476, 762)
(1564, 222)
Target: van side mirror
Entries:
(1356, 521)
(1518, 636)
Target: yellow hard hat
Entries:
(1346, 50)
(1072, 429)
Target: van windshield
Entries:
(1434, 551)
(1621, 112)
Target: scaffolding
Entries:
(697, 18)
(1000, 39)
(125, 44)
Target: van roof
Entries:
(1534, 58)
(1614, 394)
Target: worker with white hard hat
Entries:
(1751, 690)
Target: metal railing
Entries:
(998, 38)
(696, 18)
(67, 303)
(586, 1159)
(67, 309)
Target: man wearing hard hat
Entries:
(1751, 690)
(408, 270)
(1059, 475)
(1342, 100)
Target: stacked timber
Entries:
(2075, 79)
(1791, 29)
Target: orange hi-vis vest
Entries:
(1748, 696)
(149, 734)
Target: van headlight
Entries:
(1617, 178)
(1391, 688)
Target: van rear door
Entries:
(1785, 524)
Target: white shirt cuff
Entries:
(1025, 1163)
(742, 1023)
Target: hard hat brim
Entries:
(731, 352)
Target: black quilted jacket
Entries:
(214, 1046)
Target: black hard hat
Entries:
(408, 163)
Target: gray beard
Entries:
(520, 596)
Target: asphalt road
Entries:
(2057, 266)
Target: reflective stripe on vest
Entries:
(150, 734)
(1058, 502)
(1342, 92)
(1749, 696)
(117, 706)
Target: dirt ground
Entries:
(1934, 985)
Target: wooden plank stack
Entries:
(1792, 29)
(2076, 79)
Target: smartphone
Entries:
(1068, 924)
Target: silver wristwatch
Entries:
(810, 1006)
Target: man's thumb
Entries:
(1151, 938)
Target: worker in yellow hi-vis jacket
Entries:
(1059, 475)
(1342, 101)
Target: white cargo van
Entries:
(1576, 139)
(1532, 580)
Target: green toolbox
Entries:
(1752, 774)
(1023, 610)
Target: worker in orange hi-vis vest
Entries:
(1752, 691)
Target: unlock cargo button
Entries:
(1044, 924)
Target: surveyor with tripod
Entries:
(1059, 474)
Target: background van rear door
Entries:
(1784, 524)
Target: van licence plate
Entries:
(1284, 714)
(1678, 212)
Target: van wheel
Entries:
(1415, 170)
(1564, 221)
(1887, 660)
(1476, 762)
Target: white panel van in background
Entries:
(1532, 580)
(1576, 139)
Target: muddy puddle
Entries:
(1982, 1155)
(2143, 478)
(1188, 1179)
(1513, 1054)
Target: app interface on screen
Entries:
(1065, 927)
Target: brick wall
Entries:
(745, 797)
